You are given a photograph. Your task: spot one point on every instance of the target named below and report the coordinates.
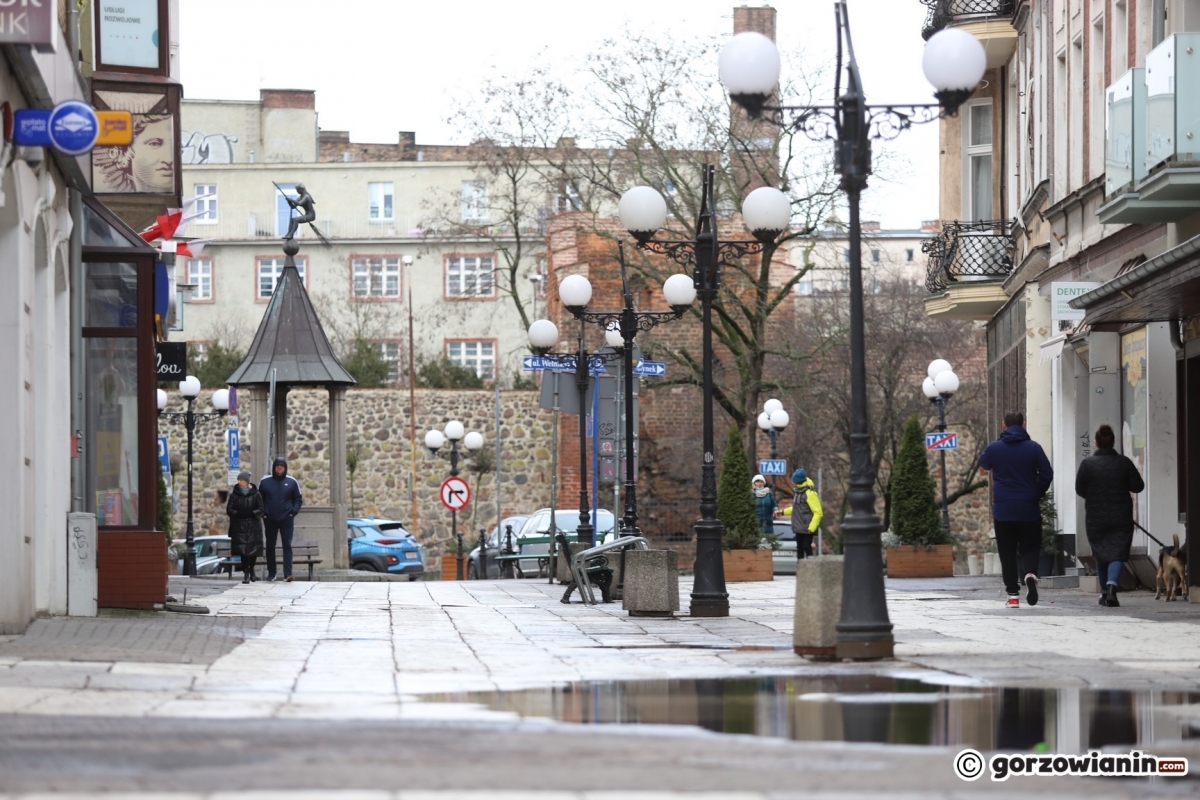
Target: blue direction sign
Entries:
(772, 466)
(539, 363)
(650, 369)
(947, 440)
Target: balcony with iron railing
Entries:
(990, 21)
(968, 263)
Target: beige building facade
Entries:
(401, 221)
(888, 255)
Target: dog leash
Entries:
(1148, 533)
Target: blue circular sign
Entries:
(73, 127)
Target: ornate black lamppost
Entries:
(772, 422)
(454, 433)
(767, 213)
(939, 387)
(575, 291)
(189, 387)
(954, 62)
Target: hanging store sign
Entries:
(72, 127)
(172, 360)
(28, 22)
(1061, 295)
(129, 33)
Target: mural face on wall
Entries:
(146, 166)
(208, 148)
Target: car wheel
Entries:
(365, 566)
(412, 578)
(472, 573)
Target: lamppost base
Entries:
(866, 651)
(706, 607)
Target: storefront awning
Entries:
(1164, 288)
(1051, 348)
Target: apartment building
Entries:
(889, 254)
(400, 220)
(1071, 225)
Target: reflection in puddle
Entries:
(873, 708)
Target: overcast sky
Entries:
(382, 66)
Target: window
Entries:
(376, 276)
(569, 198)
(198, 350)
(206, 205)
(470, 276)
(391, 354)
(978, 196)
(284, 212)
(475, 202)
(804, 288)
(379, 202)
(111, 381)
(200, 277)
(846, 256)
(476, 355)
(909, 255)
(269, 270)
(875, 256)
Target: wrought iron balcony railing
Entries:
(943, 12)
(967, 252)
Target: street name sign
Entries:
(455, 493)
(539, 363)
(650, 369)
(772, 466)
(947, 440)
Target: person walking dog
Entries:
(1105, 481)
(1021, 475)
(245, 509)
(283, 500)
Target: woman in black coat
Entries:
(1104, 481)
(246, 510)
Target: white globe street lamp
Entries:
(575, 291)
(642, 211)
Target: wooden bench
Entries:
(303, 554)
(543, 559)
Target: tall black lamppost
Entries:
(543, 335)
(940, 386)
(454, 433)
(954, 62)
(575, 292)
(189, 387)
(767, 213)
(772, 421)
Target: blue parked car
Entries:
(383, 545)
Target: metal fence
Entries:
(969, 251)
(943, 12)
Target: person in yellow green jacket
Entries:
(805, 512)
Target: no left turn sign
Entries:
(455, 494)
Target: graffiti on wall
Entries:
(208, 148)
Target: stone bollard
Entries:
(974, 567)
(991, 563)
(818, 606)
(651, 583)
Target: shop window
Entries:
(112, 425)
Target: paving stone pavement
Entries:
(271, 659)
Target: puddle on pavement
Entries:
(876, 709)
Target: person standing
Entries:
(1105, 481)
(245, 509)
(1021, 475)
(765, 507)
(806, 513)
(282, 500)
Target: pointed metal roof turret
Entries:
(290, 338)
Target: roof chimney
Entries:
(760, 20)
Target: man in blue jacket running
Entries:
(1021, 476)
(281, 496)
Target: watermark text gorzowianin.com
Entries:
(970, 765)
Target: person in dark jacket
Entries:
(283, 500)
(1021, 475)
(765, 506)
(1104, 481)
(246, 510)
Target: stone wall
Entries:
(378, 424)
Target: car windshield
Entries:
(567, 521)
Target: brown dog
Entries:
(1171, 564)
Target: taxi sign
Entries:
(947, 440)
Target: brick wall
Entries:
(132, 569)
(288, 98)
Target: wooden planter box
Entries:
(449, 570)
(912, 561)
(747, 565)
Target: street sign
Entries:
(455, 494)
(539, 363)
(233, 441)
(650, 369)
(947, 440)
(164, 457)
(772, 466)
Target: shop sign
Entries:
(172, 361)
(27, 22)
(1061, 295)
